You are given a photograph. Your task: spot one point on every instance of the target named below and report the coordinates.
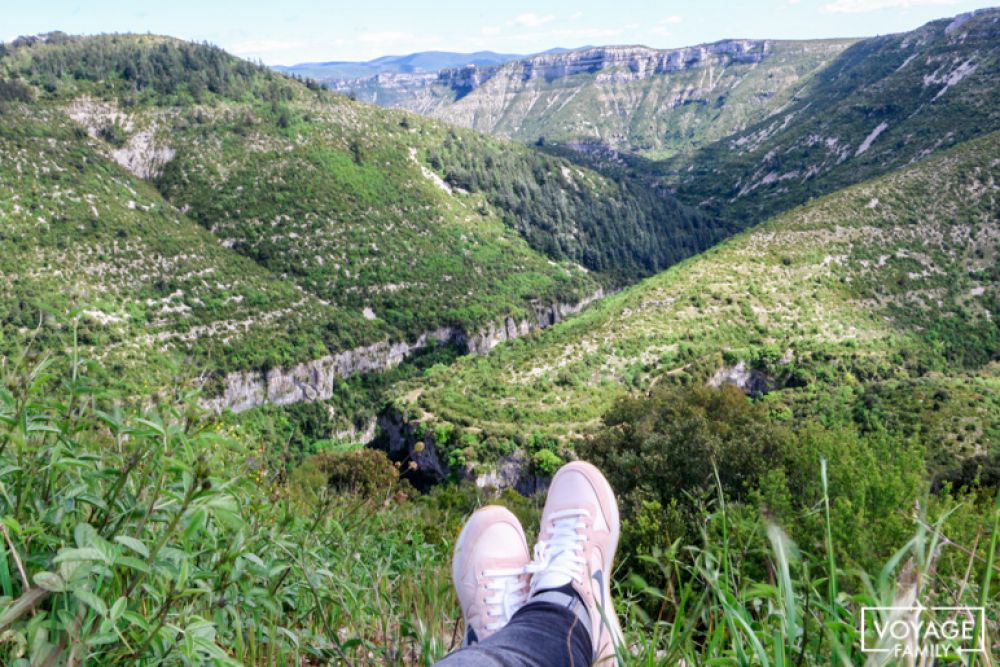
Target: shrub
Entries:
(114, 134)
(672, 441)
(363, 471)
(14, 91)
(546, 462)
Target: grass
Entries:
(154, 537)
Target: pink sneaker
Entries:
(488, 571)
(576, 546)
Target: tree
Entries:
(669, 443)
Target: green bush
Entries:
(673, 440)
(362, 471)
(546, 462)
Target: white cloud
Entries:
(662, 27)
(531, 20)
(490, 30)
(387, 37)
(253, 47)
(582, 34)
(860, 6)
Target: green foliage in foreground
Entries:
(157, 539)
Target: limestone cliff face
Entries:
(615, 63)
(630, 98)
(398, 436)
(463, 80)
(386, 89)
(497, 332)
(633, 63)
(315, 380)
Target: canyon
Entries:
(315, 380)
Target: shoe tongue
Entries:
(545, 580)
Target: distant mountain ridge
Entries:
(665, 103)
(421, 62)
(630, 97)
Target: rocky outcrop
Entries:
(398, 438)
(407, 441)
(386, 89)
(750, 381)
(362, 434)
(511, 472)
(508, 329)
(463, 80)
(632, 63)
(144, 152)
(315, 380)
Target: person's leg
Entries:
(569, 618)
(542, 634)
(576, 548)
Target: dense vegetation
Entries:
(81, 234)
(352, 237)
(138, 68)
(157, 536)
(878, 303)
(563, 211)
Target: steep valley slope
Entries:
(742, 129)
(212, 218)
(883, 294)
(882, 104)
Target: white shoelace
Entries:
(562, 554)
(510, 594)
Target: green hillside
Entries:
(81, 233)
(884, 103)
(302, 218)
(883, 295)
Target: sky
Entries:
(292, 31)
